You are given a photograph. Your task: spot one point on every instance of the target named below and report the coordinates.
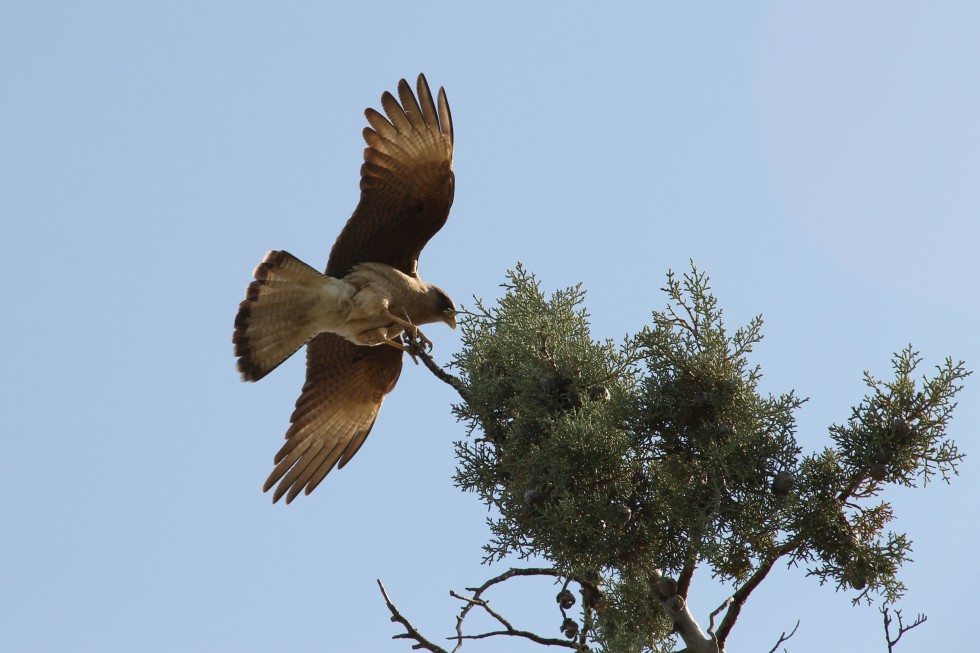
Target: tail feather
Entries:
(274, 321)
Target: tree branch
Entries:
(687, 573)
(410, 631)
(416, 348)
(664, 590)
(902, 628)
(476, 601)
(711, 618)
(784, 637)
(741, 595)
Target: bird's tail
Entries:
(275, 319)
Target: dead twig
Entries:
(410, 631)
(783, 637)
(476, 600)
(902, 628)
(711, 619)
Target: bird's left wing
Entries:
(345, 387)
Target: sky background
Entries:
(818, 160)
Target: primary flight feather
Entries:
(351, 317)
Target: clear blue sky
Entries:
(819, 161)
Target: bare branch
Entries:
(486, 606)
(410, 631)
(711, 619)
(510, 573)
(902, 628)
(476, 601)
(544, 641)
(416, 348)
(684, 580)
(784, 637)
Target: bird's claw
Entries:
(421, 339)
(417, 337)
(415, 344)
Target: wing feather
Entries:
(445, 116)
(395, 113)
(411, 106)
(341, 454)
(428, 107)
(380, 124)
(285, 463)
(310, 458)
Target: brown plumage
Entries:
(351, 316)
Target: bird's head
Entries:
(446, 309)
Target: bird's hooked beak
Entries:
(449, 315)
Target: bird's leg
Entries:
(410, 328)
(408, 349)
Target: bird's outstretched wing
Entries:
(406, 193)
(345, 387)
(407, 182)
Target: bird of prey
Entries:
(352, 317)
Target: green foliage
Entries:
(899, 430)
(896, 434)
(554, 457)
(660, 453)
(713, 441)
(630, 621)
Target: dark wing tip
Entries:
(445, 116)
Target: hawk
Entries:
(351, 318)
